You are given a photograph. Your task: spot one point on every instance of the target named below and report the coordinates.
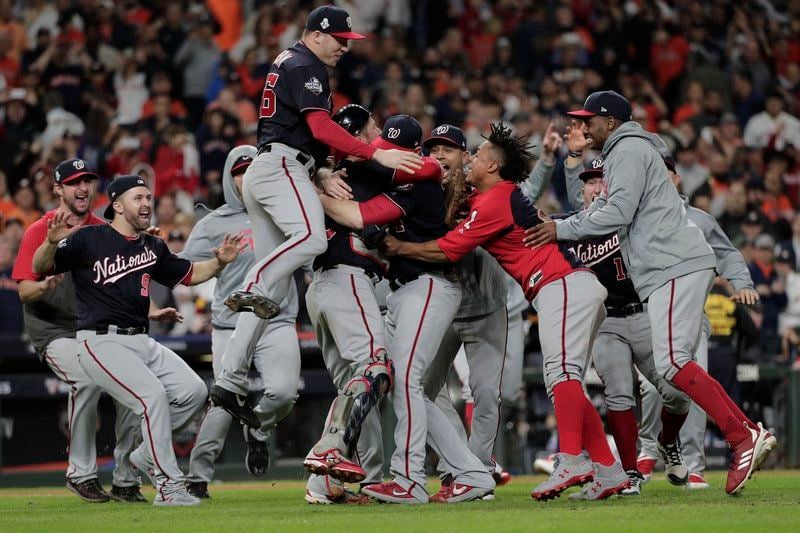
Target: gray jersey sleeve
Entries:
(608, 214)
(574, 186)
(538, 180)
(730, 263)
(198, 245)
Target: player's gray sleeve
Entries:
(606, 215)
(730, 263)
(538, 180)
(199, 244)
(574, 186)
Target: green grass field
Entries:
(771, 502)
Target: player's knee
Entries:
(620, 402)
(198, 392)
(675, 401)
(281, 394)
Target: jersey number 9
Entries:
(268, 97)
(145, 285)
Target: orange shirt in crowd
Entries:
(26, 217)
(229, 15)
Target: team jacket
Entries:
(497, 221)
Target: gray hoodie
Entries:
(657, 240)
(209, 232)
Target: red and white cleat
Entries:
(333, 463)
(696, 482)
(391, 492)
(645, 465)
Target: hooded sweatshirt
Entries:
(209, 233)
(657, 240)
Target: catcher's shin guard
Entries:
(379, 378)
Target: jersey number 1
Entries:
(268, 97)
(621, 274)
(145, 285)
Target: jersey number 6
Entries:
(268, 96)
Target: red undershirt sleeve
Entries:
(431, 170)
(379, 210)
(325, 130)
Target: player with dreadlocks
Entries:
(566, 295)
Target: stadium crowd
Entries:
(166, 89)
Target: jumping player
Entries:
(50, 315)
(672, 269)
(567, 297)
(113, 263)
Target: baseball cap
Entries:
(591, 173)
(446, 134)
(353, 118)
(333, 21)
(606, 104)
(784, 256)
(765, 242)
(755, 218)
(117, 188)
(241, 163)
(72, 169)
(400, 131)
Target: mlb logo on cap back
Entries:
(333, 21)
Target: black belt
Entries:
(374, 276)
(302, 158)
(396, 283)
(122, 331)
(625, 310)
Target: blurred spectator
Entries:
(10, 304)
(7, 204)
(43, 185)
(198, 58)
(687, 164)
(773, 128)
(12, 29)
(176, 163)
(770, 287)
(792, 246)
(789, 318)
(25, 209)
(692, 104)
(166, 211)
(131, 90)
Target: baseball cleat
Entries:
(257, 458)
(746, 455)
(198, 489)
(608, 480)
(333, 463)
(459, 492)
(127, 494)
(390, 492)
(174, 494)
(636, 479)
(544, 464)
(696, 482)
(89, 491)
(144, 466)
(645, 465)
(238, 406)
(568, 471)
(501, 476)
(674, 465)
(243, 301)
(348, 497)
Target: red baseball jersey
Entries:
(497, 221)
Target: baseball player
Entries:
(567, 297)
(730, 265)
(422, 304)
(295, 135)
(113, 263)
(668, 260)
(50, 315)
(349, 327)
(276, 355)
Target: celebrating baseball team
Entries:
(620, 281)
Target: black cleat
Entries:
(262, 307)
(127, 494)
(198, 489)
(237, 405)
(257, 459)
(89, 490)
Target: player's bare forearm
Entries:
(205, 270)
(345, 212)
(429, 252)
(33, 291)
(44, 258)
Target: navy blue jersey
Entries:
(603, 256)
(297, 82)
(423, 209)
(112, 273)
(367, 179)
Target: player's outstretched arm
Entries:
(57, 229)
(429, 252)
(231, 246)
(345, 212)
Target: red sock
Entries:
(670, 426)
(569, 403)
(469, 408)
(623, 426)
(594, 438)
(707, 393)
(733, 407)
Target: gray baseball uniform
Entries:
(730, 265)
(276, 355)
(50, 324)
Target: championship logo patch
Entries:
(314, 85)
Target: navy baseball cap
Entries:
(333, 21)
(446, 134)
(670, 163)
(117, 188)
(241, 164)
(595, 171)
(72, 169)
(606, 104)
(400, 132)
(353, 118)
